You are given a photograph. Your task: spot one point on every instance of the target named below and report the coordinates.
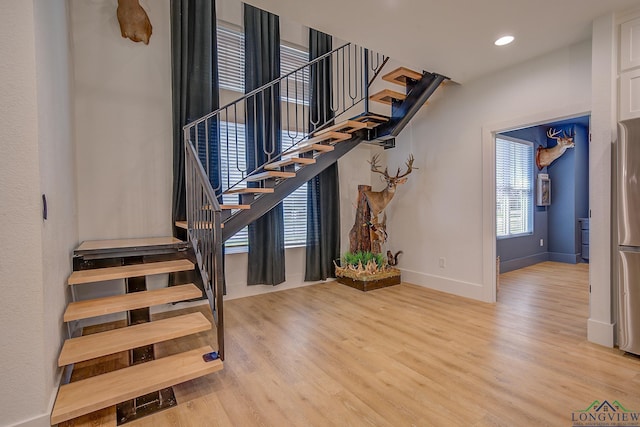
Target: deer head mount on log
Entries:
(134, 22)
(546, 156)
(378, 200)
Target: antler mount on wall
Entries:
(546, 156)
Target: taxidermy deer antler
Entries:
(546, 156)
(134, 22)
(378, 200)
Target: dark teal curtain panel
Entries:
(323, 191)
(263, 135)
(194, 63)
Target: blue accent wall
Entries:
(522, 251)
(582, 175)
(569, 197)
(556, 224)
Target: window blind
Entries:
(514, 187)
(230, 58)
(233, 165)
(295, 89)
(231, 66)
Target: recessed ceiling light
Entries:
(503, 41)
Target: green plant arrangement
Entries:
(363, 258)
(366, 271)
(363, 264)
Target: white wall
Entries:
(21, 370)
(37, 158)
(123, 127)
(57, 174)
(123, 136)
(439, 212)
(603, 134)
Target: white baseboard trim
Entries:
(600, 332)
(443, 284)
(517, 263)
(41, 420)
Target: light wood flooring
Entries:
(328, 355)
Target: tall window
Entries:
(296, 87)
(230, 58)
(233, 160)
(514, 187)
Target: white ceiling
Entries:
(452, 37)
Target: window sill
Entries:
(513, 236)
(244, 249)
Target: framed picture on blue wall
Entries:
(543, 193)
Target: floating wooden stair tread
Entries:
(122, 272)
(85, 396)
(331, 137)
(235, 207)
(310, 147)
(387, 96)
(372, 124)
(371, 117)
(290, 161)
(249, 190)
(102, 344)
(94, 245)
(401, 75)
(270, 174)
(115, 304)
(200, 225)
(348, 126)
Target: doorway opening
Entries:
(542, 194)
(557, 118)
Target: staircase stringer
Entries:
(266, 202)
(403, 111)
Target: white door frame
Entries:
(489, 132)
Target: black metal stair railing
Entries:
(205, 236)
(226, 124)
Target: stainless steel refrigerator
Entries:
(628, 197)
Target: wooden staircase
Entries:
(145, 376)
(295, 166)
